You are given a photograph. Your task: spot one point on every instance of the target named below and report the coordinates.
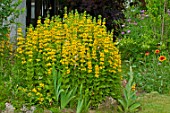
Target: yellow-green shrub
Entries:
(6, 54)
(5, 47)
(77, 45)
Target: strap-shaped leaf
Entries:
(123, 103)
(134, 107)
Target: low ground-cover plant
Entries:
(78, 46)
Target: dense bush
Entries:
(80, 48)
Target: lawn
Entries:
(154, 103)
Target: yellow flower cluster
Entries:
(78, 45)
(80, 41)
(6, 47)
(133, 87)
(35, 92)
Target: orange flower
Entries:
(147, 53)
(157, 51)
(162, 58)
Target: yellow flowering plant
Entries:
(6, 55)
(79, 46)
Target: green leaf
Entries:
(66, 97)
(134, 107)
(120, 108)
(123, 103)
(79, 106)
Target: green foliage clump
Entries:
(80, 48)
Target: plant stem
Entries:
(163, 20)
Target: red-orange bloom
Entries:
(147, 53)
(157, 51)
(162, 58)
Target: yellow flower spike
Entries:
(41, 85)
(101, 59)
(102, 54)
(133, 87)
(41, 99)
(34, 90)
(19, 30)
(50, 69)
(38, 93)
(89, 66)
(96, 75)
(18, 49)
(29, 94)
(89, 71)
(54, 60)
(106, 50)
(68, 71)
(24, 90)
(113, 71)
(65, 16)
(38, 21)
(30, 60)
(30, 55)
(83, 69)
(20, 43)
(1, 50)
(102, 63)
(49, 64)
(49, 72)
(39, 89)
(2, 54)
(96, 68)
(20, 39)
(23, 62)
(101, 67)
(119, 70)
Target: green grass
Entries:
(154, 103)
